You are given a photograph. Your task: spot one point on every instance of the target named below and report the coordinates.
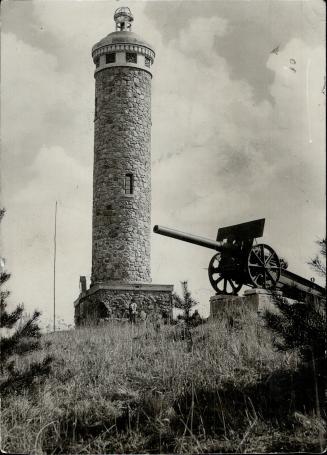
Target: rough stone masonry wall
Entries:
(105, 303)
(122, 133)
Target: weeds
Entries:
(123, 389)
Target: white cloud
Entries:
(29, 231)
(24, 74)
(199, 38)
(41, 104)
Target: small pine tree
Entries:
(318, 264)
(23, 340)
(186, 302)
(301, 326)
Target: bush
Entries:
(301, 328)
(23, 340)
(186, 302)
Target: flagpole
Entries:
(54, 269)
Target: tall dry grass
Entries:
(122, 389)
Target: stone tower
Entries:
(122, 177)
(122, 155)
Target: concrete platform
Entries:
(261, 300)
(255, 300)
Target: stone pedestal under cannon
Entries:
(253, 300)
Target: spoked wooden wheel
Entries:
(263, 266)
(220, 283)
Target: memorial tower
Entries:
(121, 223)
(122, 155)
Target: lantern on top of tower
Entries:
(123, 18)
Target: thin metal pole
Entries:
(54, 270)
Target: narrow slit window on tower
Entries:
(147, 61)
(129, 183)
(97, 62)
(111, 57)
(96, 108)
(131, 57)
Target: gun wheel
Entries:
(220, 283)
(263, 266)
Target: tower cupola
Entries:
(123, 47)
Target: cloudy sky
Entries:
(237, 134)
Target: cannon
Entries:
(239, 260)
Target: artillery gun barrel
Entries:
(179, 235)
(290, 283)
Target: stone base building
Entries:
(112, 301)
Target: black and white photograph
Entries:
(163, 226)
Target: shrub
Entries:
(24, 339)
(186, 302)
(301, 327)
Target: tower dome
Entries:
(123, 47)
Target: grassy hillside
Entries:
(122, 389)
